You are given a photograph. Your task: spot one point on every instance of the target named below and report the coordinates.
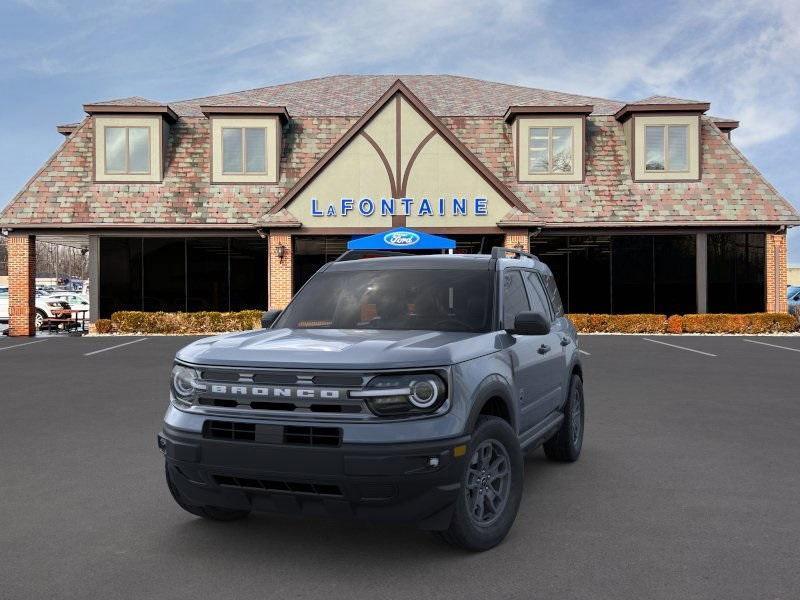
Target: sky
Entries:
(739, 55)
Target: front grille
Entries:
(287, 487)
(296, 393)
(351, 407)
(312, 436)
(229, 430)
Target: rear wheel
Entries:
(566, 444)
(215, 513)
(491, 488)
(39, 319)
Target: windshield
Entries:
(441, 300)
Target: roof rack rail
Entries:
(500, 252)
(359, 254)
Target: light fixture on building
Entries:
(5, 231)
(517, 246)
(261, 233)
(280, 252)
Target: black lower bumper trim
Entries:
(415, 482)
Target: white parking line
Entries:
(680, 347)
(113, 347)
(771, 345)
(20, 345)
(584, 352)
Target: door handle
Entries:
(544, 349)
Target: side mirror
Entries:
(531, 323)
(268, 318)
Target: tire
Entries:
(566, 444)
(481, 518)
(39, 318)
(214, 513)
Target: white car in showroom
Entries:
(47, 307)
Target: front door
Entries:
(531, 356)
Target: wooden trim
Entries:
(131, 109)
(384, 160)
(412, 158)
(398, 145)
(550, 110)
(67, 130)
(399, 87)
(279, 111)
(725, 124)
(630, 109)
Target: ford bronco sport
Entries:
(400, 388)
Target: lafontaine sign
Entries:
(422, 207)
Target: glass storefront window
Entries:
(180, 274)
(736, 272)
(622, 274)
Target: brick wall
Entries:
(517, 238)
(21, 284)
(280, 271)
(776, 273)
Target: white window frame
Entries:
(127, 129)
(550, 129)
(665, 148)
(244, 171)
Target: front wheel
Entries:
(491, 488)
(566, 444)
(215, 513)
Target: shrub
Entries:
(196, 322)
(619, 323)
(706, 323)
(675, 324)
(747, 323)
(103, 326)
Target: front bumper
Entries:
(401, 482)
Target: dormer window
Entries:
(127, 150)
(548, 142)
(550, 150)
(245, 143)
(666, 148)
(130, 140)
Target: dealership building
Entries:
(233, 201)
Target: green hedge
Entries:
(197, 322)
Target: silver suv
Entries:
(401, 388)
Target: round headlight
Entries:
(183, 379)
(424, 393)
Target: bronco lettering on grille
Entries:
(276, 392)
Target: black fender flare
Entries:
(493, 386)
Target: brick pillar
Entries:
(21, 284)
(775, 273)
(518, 239)
(280, 270)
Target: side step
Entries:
(539, 434)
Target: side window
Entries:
(536, 294)
(552, 292)
(515, 300)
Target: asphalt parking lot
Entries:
(688, 487)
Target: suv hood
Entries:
(339, 349)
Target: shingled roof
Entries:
(731, 191)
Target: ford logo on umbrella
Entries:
(401, 238)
